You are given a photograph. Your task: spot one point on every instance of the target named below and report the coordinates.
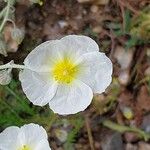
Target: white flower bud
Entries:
(5, 75)
(17, 35)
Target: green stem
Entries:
(122, 129)
(21, 101)
(2, 12)
(47, 122)
(51, 120)
(6, 16)
(11, 109)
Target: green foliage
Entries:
(103, 105)
(141, 25)
(77, 123)
(89, 32)
(137, 28)
(131, 42)
(127, 21)
(15, 109)
(117, 27)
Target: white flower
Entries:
(28, 137)
(65, 73)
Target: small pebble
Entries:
(97, 29)
(123, 56)
(130, 146)
(131, 137)
(112, 142)
(94, 8)
(62, 24)
(123, 77)
(144, 146)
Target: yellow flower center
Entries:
(25, 147)
(65, 71)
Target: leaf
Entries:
(131, 42)
(5, 75)
(127, 20)
(3, 48)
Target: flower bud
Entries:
(17, 35)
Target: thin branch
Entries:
(2, 12)
(89, 133)
(127, 5)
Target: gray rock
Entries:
(146, 124)
(130, 146)
(143, 146)
(112, 142)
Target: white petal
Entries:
(38, 87)
(96, 71)
(33, 134)
(79, 44)
(9, 138)
(43, 145)
(42, 56)
(70, 99)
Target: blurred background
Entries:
(118, 119)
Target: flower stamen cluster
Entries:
(25, 147)
(65, 71)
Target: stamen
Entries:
(65, 71)
(25, 147)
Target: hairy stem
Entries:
(7, 66)
(2, 12)
(89, 133)
(122, 129)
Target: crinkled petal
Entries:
(43, 56)
(96, 71)
(38, 87)
(43, 145)
(79, 44)
(70, 99)
(9, 138)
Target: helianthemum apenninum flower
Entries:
(65, 73)
(28, 137)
